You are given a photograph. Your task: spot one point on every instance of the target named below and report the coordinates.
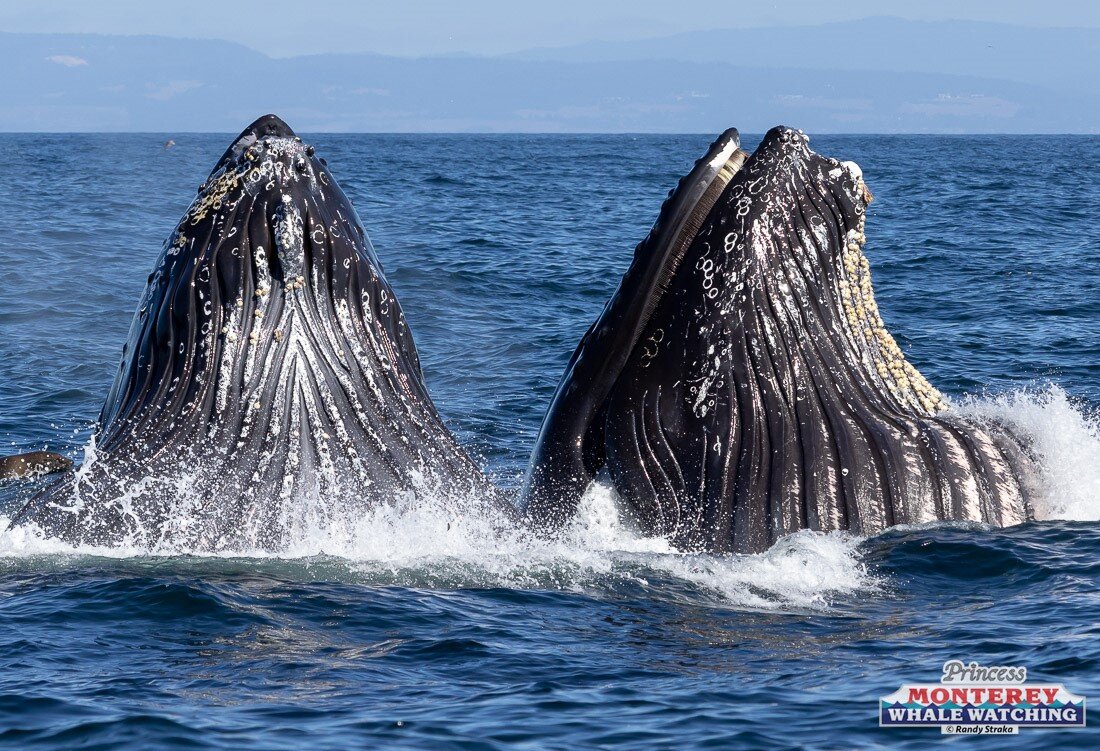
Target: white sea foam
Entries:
(1065, 439)
(428, 544)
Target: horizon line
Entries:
(1085, 134)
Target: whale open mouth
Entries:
(755, 390)
(570, 449)
(268, 361)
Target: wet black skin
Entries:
(269, 360)
(740, 385)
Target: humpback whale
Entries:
(268, 361)
(741, 384)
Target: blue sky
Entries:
(426, 27)
(933, 66)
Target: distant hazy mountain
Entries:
(1061, 59)
(878, 75)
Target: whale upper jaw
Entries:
(269, 382)
(762, 392)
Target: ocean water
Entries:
(405, 632)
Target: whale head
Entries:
(269, 360)
(756, 390)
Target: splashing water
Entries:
(1065, 439)
(426, 544)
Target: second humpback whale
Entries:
(268, 361)
(741, 385)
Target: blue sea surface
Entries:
(407, 633)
